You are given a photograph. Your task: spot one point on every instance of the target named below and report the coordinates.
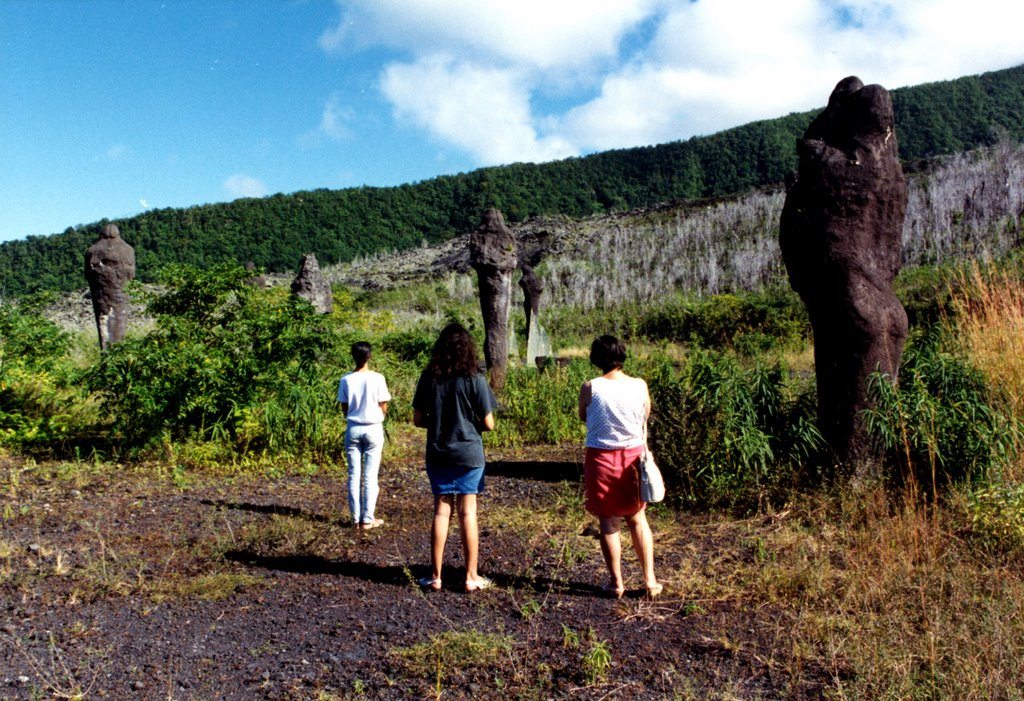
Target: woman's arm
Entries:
(585, 396)
(489, 421)
(383, 407)
(418, 419)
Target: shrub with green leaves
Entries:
(725, 434)
(225, 361)
(541, 407)
(750, 321)
(939, 423)
(41, 405)
(997, 517)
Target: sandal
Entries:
(613, 591)
(654, 590)
(480, 584)
(375, 523)
(429, 583)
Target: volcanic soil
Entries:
(149, 582)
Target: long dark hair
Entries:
(454, 353)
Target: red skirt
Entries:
(611, 481)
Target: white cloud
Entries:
(144, 203)
(712, 65)
(336, 119)
(241, 185)
(477, 74)
(539, 33)
(484, 111)
(117, 152)
(336, 124)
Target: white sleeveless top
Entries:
(616, 413)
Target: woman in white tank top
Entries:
(615, 407)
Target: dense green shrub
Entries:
(996, 513)
(939, 424)
(226, 361)
(41, 405)
(725, 434)
(542, 407)
(29, 339)
(751, 322)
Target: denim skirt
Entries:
(455, 480)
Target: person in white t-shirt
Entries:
(363, 395)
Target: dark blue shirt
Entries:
(453, 408)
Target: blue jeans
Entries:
(363, 445)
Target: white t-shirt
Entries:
(363, 391)
(616, 413)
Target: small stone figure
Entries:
(311, 285)
(492, 253)
(109, 264)
(840, 235)
(257, 281)
(533, 288)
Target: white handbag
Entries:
(652, 486)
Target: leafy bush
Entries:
(939, 424)
(30, 340)
(541, 407)
(752, 321)
(225, 361)
(997, 516)
(729, 435)
(41, 405)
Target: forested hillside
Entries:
(338, 225)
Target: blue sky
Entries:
(111, 107)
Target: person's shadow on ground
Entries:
(402, 575)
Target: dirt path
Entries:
(129, 585)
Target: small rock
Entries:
(23, 679)
(138, 685)
(33, 547)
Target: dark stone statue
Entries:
(257, 280)
(109, 264)
(840, 234)
(311, 285)
(533, 288)
(492, 253)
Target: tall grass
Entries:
(990, 326)
(891, 601)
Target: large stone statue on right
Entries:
(841, 239)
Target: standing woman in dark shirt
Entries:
(455, 404)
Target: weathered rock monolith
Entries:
(533, 288)
(492, 253)
(109, 264)
(311, 285)
(840, 234)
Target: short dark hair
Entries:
(361, 351)
(454, 353)
(607, 353)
